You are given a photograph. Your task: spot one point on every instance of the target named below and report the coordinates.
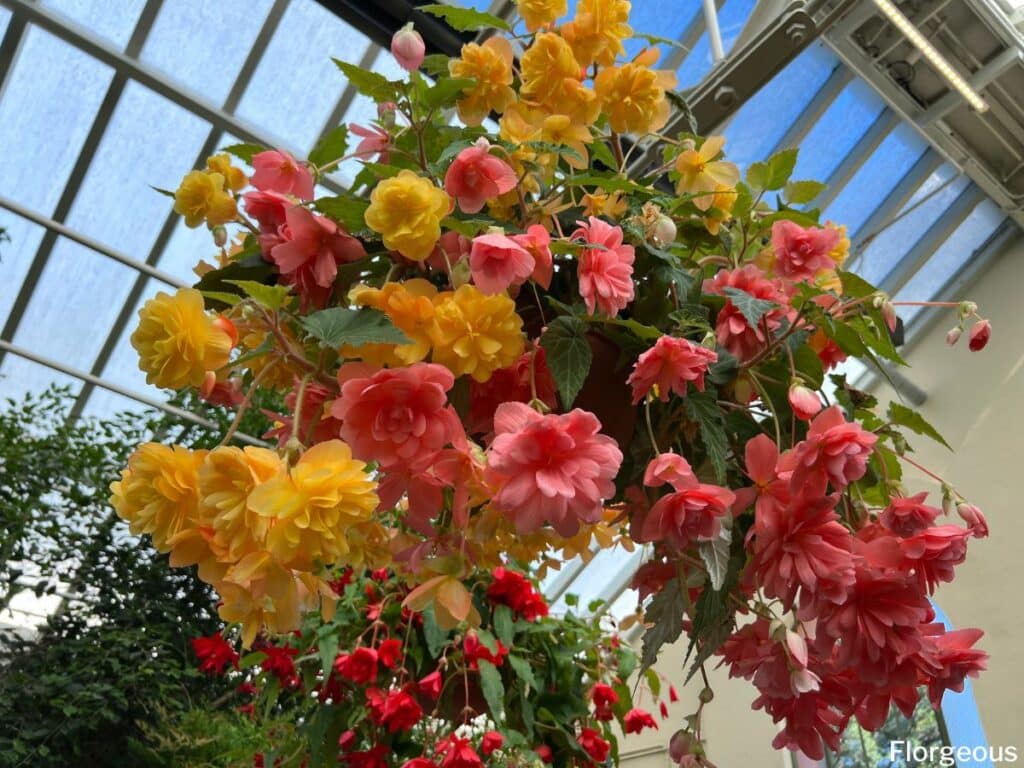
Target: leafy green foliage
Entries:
(244, 152)
(665, 612)
(371, 84)
(331, 147)
(465, 19)
(915, 422)
(341, 325)
(347, 210)
(702, 408)
(752, 309)
(774, 173)
(568, 356)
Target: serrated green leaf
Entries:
(665, 613)
(752, 309)
(371, 84)
(251, 660)
(757, 176)
(273, 297)
(653, 682)
(492, 688)
(856, 286)
(347, 210)
(915, 422)
(503, 623)
(702, 408)
(780, 168)
(465, 19)
(568, 356)
(331, 147)
(445, 92)
(602, 153)
(435, 64)
(715, 554)
(230, 299)
(244, 151)
(523, 670)
(800, 192)
(436, 637)
(340, 325)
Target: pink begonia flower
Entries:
(974, 518)
(979, 335)
(310, 249)
(605, 273)
(449, 251)
(836, 451)
(476, 176)
(932, 554)
(957, 658)
(269, 209)
(670, 364)
(669, 468)
(408, 48)
(761, 457)
(398, 417)
(375, 143)
(731, 328)
(908, 516)
(537, 242)
(802, 252)
(555, 468)
(277, 171)
(692, 513)
(497, 261)
(804, 401)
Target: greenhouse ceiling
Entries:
(100, 101)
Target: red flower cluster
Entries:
(396, 710)
(515, 590)
(474, 651)
(215, 654)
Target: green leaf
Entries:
(545, 147)
(445, 92)
(251, 660)
(702, 408)
(231, 299)
(665, 612)
(465, 19)
(273, 297)
(492, 688)
(340, 325)
(856, 286)
(164, 192)
(603, 154)
(435, 64)
(523, 670)
(715, 554)
(568, 356)
(653, 682)
(436, 637)
(331, 147)
(347, 210)
(757, 176)
(800, 192)
(780, 168)
(915, 422)
(327, 644)
(371, 84)
(752, 309)
(502, 618)
(610, 183)
(244, 152)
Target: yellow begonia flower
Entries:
(552, 80)
(407, 210)
(311, 508)
(597, 31)
(541, 13)
(474, 334)
(842, 249)
(719, 208)
(226, 479)
(700, 173)
(177, 341)
(560, 129)
(490, 65)
(158, 492)
(202, 197)
(633, 97)
(410, 307)
(600, 203)
(234, 178)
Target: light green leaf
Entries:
(445, 92)
(331, 147)
(915, 422)
(273, 297)
(800, 192)
(368, 83)
(347, 210)
(465, 19)
(340, 325)
(244, 152)
(231, 299)
(780, 168)
(568, 356)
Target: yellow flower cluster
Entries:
(206, 195)
(541, 13)
(177, 340)
(258, 530)
(466, 331)
(407, 210)
(490, 65)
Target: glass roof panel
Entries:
(20, 377)
(838, 131)
(15, 257)
(203, 45)
(597, 574)
(5, 17)
(183, 251)
(731, 18)
(74, 303)
(750, 137)
(881, 170)
(662, 19)
(113, 22)
(923, 209)
(48, 103)
(103, 403)
(624, 604)
(299, 53)
(144, 145)
(123, 366)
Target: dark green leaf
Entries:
(568, 356)
(347, 210)
(436, 637)
(702, 408)
(523, 670)
(665, 612)
(915, 422)
(445, 92)
(752, 309)
(340, 325)
(492, 688)
(502, 618)
(465, 19)
(331, 147)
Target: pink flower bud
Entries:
(804, 681)
(889, 314)
(797, 648)
(408, 48)
(974, 519)
(953, 335)
(980, 333)
(663, 231)
(805, 403)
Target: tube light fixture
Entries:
(936, 59)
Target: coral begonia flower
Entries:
(375, 143)
(670, 365)
(277, 171)
(497, 262)
(537, 242)
(802, 252)
(605, 272)
(476, 176)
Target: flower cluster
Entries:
(500, 351)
